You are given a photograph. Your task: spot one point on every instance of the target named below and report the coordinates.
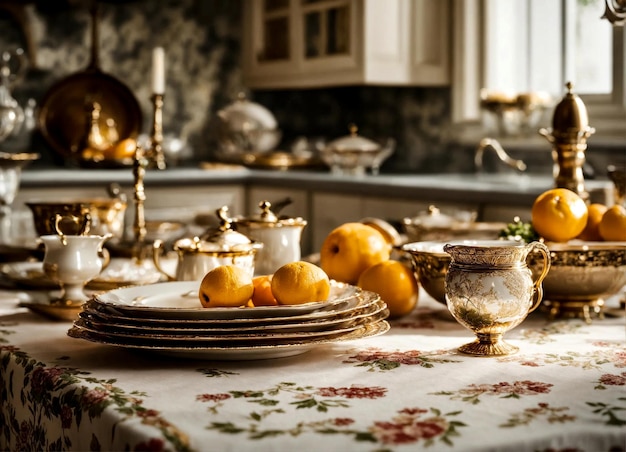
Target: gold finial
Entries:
(353, 129)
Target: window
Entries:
(524, 45)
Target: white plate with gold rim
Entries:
(236, 352)
(363, 301)
(229, 338)
(179, 300)
(375, 310)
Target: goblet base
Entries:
(488, 345)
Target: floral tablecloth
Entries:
(406, 390)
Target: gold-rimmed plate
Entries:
(338, 321)
(280, 349)
(179, 300)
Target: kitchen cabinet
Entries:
(318, 43)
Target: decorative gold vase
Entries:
(490, 290)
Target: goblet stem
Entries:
(488, 344)
(5, 224)
(71, 295)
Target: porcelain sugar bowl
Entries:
(490, 289)
(220, 246)
(280, 237)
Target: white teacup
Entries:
(72, 261)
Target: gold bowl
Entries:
(581, 277)
(107, 215)
(430, 263)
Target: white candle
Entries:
(158, 70)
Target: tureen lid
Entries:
(266, 217)
(353, 142)
(245, 115)
(221, 239)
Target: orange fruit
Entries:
(123, 149)
(351, 248)
(226, 286)
(395, 283)
(559, 215)
(612, 227)
(300, 282)
(262, 295)
(591, 231)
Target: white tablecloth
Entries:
(406, 390)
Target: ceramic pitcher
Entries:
(280, 237)
(74, 260)
(490, 289)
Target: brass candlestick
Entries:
(152, 157)
(569, 133)
(155, 155)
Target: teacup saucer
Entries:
(54, 311)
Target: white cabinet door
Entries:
(304, 44)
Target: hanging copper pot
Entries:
(62, 119)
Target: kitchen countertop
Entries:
(485, 188)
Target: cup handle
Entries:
(538, 292)
(157, 249)
(104, 253)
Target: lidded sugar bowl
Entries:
(280, 237)
(354, 154)
(199, 255)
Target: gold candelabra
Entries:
(146, 158)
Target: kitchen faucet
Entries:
(500, 152)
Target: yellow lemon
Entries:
(559, 215)
(226, 286)
(351, 248)
(395, 283)
(300, 282)
(612, 227)
(595, 213)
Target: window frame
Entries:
(479, 29)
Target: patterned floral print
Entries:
(375, 359)
(408, 389)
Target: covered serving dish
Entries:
(246, 127)
(199, 255)
(354, 154)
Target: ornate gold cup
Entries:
(490, 290)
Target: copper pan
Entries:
(62, 119)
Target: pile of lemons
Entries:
(561, 215)
(353, 253)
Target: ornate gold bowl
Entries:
(430, 263)
(581, 277)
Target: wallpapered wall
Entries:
(202, 43)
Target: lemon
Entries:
(612, 227)
(226, 286)
(395, 283)
(300, 282)
(559, 215)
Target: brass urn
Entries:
(568, 135)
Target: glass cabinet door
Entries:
(276, 30)
(326, 30)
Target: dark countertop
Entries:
(486, 188)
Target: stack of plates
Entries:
(168, 318)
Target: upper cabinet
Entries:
(319, 43)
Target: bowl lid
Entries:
(223, 238)
(267, 218)
(245, 115)
(353, 142)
